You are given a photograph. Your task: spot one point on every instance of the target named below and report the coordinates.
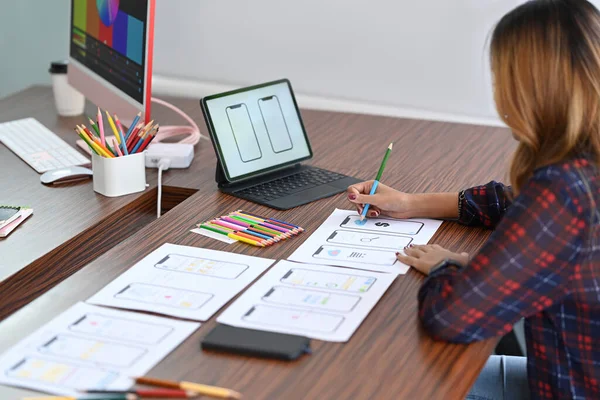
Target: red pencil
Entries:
(134, 134)
(148, 139)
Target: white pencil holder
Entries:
(120, 175)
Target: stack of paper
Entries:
(11, 217)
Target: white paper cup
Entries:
(120, 175)
(69, 102)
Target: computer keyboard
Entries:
(38, 146)
(290, 184)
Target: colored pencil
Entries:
(101, 127)
(267, 224)
(147, 128)
(377, 179)
(151, 393)
(87, 141)
(287, 228)
(274, 237)
(89, 133)
(147, 140)
(104, 148)
(250, 231)
(245, 240)
(259, 226)
(204, 390)
(119, 153)
(107, 396)
(245, 233)
(94, 127)
(133, 125)
(140, 137)
(94, 141)
(273, 219)
(228, 225)
(112, 126)
(134, 135)
(121, 135)
(138, 145)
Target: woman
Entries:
(542, 262)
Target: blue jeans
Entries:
(502, 378)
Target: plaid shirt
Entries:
(541, 263)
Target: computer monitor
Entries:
(110, 58)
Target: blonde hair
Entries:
(545, 59)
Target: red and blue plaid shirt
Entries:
(541, 263)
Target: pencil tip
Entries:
(391, 145)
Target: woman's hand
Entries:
(425, 257)
(385, 201)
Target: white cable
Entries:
(192, 131)
(163, 164)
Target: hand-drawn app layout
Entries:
(277, 128)
(61, 374)
(164, 296)
(368, 239)
(382, 225)
(355, 255)
(122, 329)
(91, 350)
(201, 266)
(289, 318)
(328, 280)
(294, 296)
(243, 132)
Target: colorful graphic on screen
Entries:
(107, 36)
(108, 10)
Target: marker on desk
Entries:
(376, 183)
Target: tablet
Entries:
(256, 130)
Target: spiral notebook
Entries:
(11, 217)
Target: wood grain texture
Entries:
(389, 357)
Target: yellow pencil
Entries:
(212, 391)
(98, 149)
(103, 151)
(113, 127)
(243, 239)
(86, 139)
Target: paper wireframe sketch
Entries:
(317, 301)
(182, 281)
(344, 240)
(90, 347)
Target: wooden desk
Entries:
(389, 357)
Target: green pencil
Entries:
(95, 128)
(87, 141)
(377, 179)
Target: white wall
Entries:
(398, 57)
(32, 34)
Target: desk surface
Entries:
(388, 357)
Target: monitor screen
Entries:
(256, 129)
(107, 36)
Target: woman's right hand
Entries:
(385, 201)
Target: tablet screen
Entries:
(257, 129)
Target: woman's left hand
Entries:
(425, 257)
